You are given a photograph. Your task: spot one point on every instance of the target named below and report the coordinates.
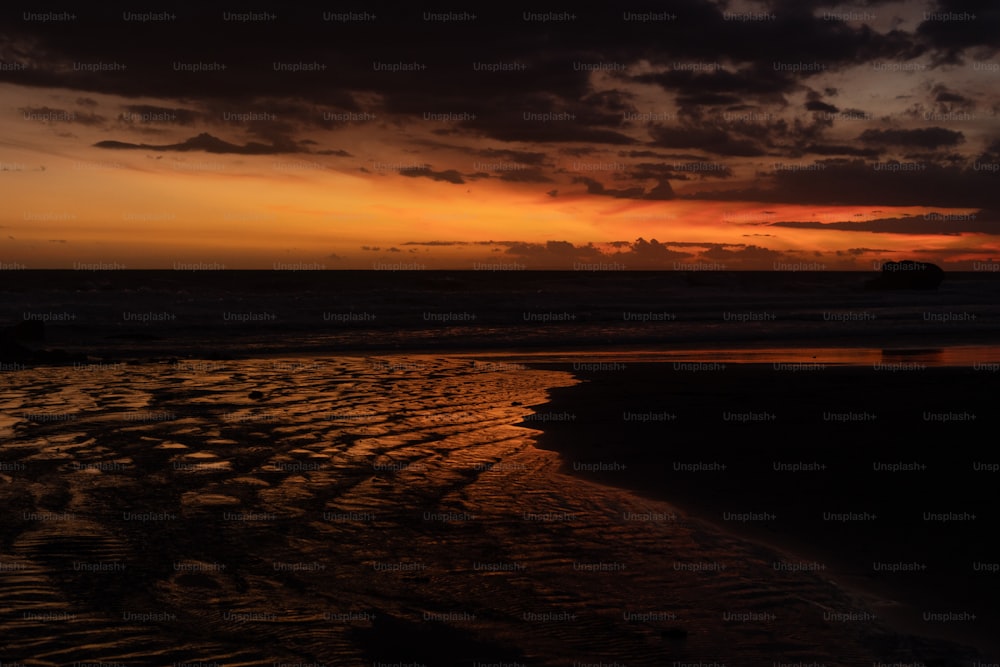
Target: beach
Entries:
(648, 469)
(388, 509)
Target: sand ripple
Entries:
(358, 510)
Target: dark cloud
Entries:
(952, 27)
(708, 99)
(857, 252)
(680, 170)
(449, 175)
(721, 86)
(704, 64)
(640, 254)
(661, 191)
(836, 149)
(935, 223)
(925, 137)
(609, 105)
(674, 157)
(447, 77)
(751, 254)
(48, 114)
(816, 105)
(436, 243)
(948, 97)
(524, 176)
(207, 143)
(843, 181)
(597, 188)
(147, 113)
(533, 126)
(554, 254)
(651, 253)
(713, 139)
(521, 157)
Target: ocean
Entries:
(133, 313)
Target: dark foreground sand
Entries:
(881, 476)
(396, 511)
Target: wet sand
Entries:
(881, 476)
(373, 510)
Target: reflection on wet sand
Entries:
(973, 356)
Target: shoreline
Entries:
(979, 355)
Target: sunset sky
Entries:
(789, 134)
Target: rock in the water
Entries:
(907, 274)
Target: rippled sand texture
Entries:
(384, 509)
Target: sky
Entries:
(697, 135)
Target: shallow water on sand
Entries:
(360, 511)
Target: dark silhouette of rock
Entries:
(907, 274)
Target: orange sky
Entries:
(144, 213)
(152, 211)
(732, 163)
